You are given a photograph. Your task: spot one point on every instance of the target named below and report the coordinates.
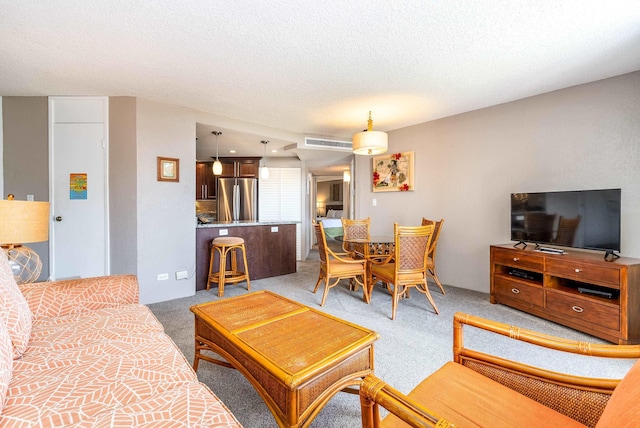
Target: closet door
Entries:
(78, 165)
(280, 199)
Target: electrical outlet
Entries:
(163, 276)
(274, 228)
(181, 274)
(374, 202)
(29, 197)
(223, 232)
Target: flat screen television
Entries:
(587, 219)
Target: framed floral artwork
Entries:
(393, 172)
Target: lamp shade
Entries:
(23, 221)
(370, 143)
(217, 167)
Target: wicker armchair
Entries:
(479, 389)
(337, 266)
(406, 267)
(355, 229)
(431, 256)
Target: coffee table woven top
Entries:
(289, 338)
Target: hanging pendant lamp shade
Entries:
(264, 171)
(217, 165)
(370, 142)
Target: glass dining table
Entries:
(371, 246)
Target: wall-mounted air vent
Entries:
(323, 143)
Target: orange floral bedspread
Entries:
(95, 357)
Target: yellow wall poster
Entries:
(78, 186)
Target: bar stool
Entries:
(223, 246)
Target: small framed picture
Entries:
(168, 169)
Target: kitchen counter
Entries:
(242, 223)
(270, 246)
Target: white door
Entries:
(78, 136)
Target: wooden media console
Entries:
(578, 289)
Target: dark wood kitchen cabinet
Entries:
(205, 181)
(240, 167)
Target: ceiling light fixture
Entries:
(370, 142)
(217, 165)
(264, 171)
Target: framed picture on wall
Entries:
(335, 192)
(393, 172)
(168, 169)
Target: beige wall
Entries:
(466, 166)
(123, 188)
(166, 220)
(26, 156)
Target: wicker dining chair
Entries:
(358, 228)
(431, 257)
(406, 267)
(337, 266)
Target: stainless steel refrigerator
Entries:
(237, 199)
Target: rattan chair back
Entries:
(411, 248)
(355, 229)
(337, 266)
(322, 242)
(431, 257)
(407, 267)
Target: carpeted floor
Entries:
(410, 348)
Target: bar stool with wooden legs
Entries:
(223, 246)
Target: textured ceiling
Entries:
(316, 67)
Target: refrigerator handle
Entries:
(236, 202)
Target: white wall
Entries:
(166, 210)
(466, 166)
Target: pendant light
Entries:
(264, 171)
(370, 142)
(217, 165)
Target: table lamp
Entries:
(23, 222)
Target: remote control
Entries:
(550, 250)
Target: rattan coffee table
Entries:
(296, 357)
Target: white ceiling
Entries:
(315, 67)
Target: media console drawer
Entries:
(548, 285)
(529, 295)
(522, 261)
(584, 310)
(584, 272)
